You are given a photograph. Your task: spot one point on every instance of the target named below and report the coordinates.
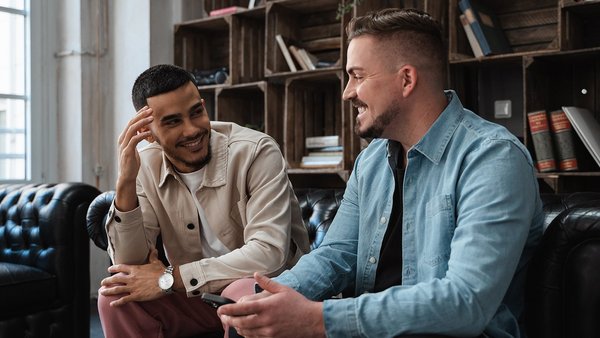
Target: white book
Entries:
(321, 161)
(471, 37)
(285, 52)
(322, 141)
(307, 59)
(587, 128)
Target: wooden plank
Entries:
(299, 126)
(318, 18)
(321, 31)
(531, 35)
(503, 7)
(323, 44)
(538, 17)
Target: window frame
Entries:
(40, 95)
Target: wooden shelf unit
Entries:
(555, 55)
(555, 62)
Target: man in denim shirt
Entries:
(439, 217)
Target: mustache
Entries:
(193, 137)
(358, 103)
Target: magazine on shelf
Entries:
(587, 128)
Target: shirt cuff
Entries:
(287, 278)
(124, 219)
(193, 277)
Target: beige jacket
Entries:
(249, 204)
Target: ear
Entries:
(408, 79)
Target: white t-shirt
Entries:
(211, 245)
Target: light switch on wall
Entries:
(502, 109)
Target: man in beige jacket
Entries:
(217, 193)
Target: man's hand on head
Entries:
(134, 283)
(135, 132)
(278, 311)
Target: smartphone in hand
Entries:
(215, 300)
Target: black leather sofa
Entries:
(44, 260)
(563, 287)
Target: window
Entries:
(14, 90)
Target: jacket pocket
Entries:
(238, 212)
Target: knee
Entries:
(239, 288)
(104, 303)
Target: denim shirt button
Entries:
(382, 220)
(372, 260)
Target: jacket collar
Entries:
(215, 174)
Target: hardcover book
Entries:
(322, 141)
(309, 59)
(295, 51)
(587, 128)
(563, 140)
(542, 141)
(226, 10)
(286, 53)
(471, 37)
(486, 27)
(321, 161)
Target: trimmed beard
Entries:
(380, 122)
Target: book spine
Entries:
(296, 54)
(467, 9)
(225, 11)
(471, 37)
(286, 53)
(542, 141)
(563, 140)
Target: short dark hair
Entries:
(158, 80)
(417, 31)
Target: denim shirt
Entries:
(472, 217)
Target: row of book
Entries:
(303, 58)
(553, 140)
(483, 30)
(323, 152)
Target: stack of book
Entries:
(323, 152)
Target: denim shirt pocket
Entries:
(438, 231)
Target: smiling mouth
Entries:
(193, 144)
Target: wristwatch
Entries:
(166, 280)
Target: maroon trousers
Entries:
(174, 315)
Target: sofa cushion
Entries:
(25, 287)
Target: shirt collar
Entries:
(433, 144)
(215, 173)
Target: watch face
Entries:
(165, 281)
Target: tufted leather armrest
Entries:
(44, 259)
(563, 293)
(96, 218)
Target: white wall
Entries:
(92, 52)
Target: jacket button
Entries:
(194, 282)
(117, 219)
(382, 220)
(372, 260)
(190, 226)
